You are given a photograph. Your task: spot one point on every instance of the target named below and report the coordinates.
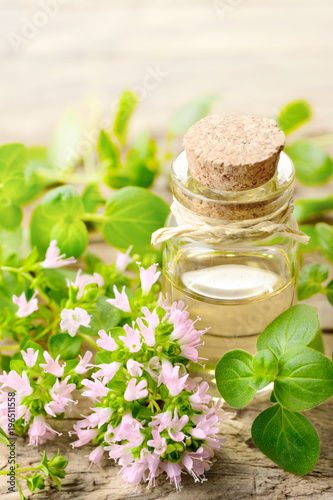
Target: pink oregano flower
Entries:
(136, 391)
(132, 340)
(39, 431)
(72, 319)
(106, 341)
(120, 301)
(148, 277)
(25, 307)
(30, 357)
(123, 259)
(52, 366)
(82, 280)
(53, 258)
(20, 384)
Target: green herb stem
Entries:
(47, 329)
(9, 347)
(93, 217)
(90, 341)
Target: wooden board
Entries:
(240, 471)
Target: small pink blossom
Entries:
(136, 391)
(120, 452)
(84, 364)
(173, 472)
(148, 277)
(82, 280)
(132, 340)
(61, 396)
(52, 366)
(135, 472)
(204, 425)
(161, 302)
(196, 463)
(20, 384)
(161, 421)
(123, 259)
(54, 259)
(39, 431)
(151, 317)
(25, 308)
(147, 332)
(30, 357)
(107, 371)
(120, 301)
(96, 389)
(84, 435)
(95, 456)
(106, 341)
(200, 398)
(170, 377)
(20, 409)
(176, 426)
(157, 442)
(72, 319)
(192, 384)
(134, 368)
(129, 429)
(100, 416)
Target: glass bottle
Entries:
(236, 288)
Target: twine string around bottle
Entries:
(198, 227)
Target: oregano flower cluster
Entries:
(43, 389)
(150, 416)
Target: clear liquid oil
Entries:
(235, 294)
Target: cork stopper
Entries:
(231, 152)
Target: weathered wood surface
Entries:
(256, 55)
(240, 472)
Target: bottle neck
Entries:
(275, 198)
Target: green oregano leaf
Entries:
(310, 279)
(325, 236)
(62, 343)
(287, 438)
(10, 216)
(4, 438)
(293, 115)
(304, 380)
(104, 317)
(92, 198)
(265, 366)
(295, 327)
(234, 375)
(307, 209)
(40, 229)
(329, 292)
(133, 215)
(71, 235)
(107, 151)
(127, 105)
(317, 343)
(35, 481)
(312, 164)
(62, 201)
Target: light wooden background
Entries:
(256, 55)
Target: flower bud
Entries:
(58, 462)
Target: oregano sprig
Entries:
(288, 356)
